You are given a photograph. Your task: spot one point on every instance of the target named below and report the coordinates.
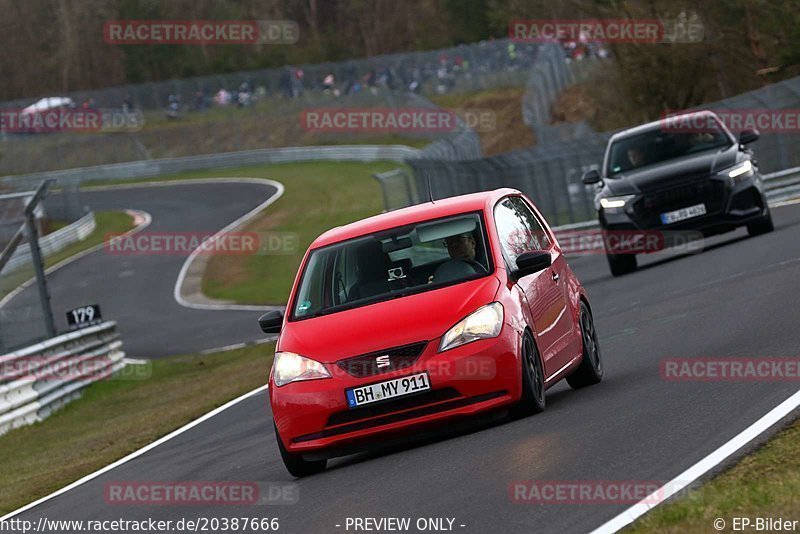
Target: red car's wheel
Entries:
(295, 463)
(590, 371)
(532, 400)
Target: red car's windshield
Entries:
(394, 263)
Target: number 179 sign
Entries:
(84, 316)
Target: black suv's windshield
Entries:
(392, 264)
(659, 145)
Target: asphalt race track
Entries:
(137, 290)
(737, 299)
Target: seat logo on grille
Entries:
(383, 361)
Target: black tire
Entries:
(761, 226)
(590, 371)
(295, 464)
(532, 400)
(621, 264)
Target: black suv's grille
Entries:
(383, 361)
(709, 192)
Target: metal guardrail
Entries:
(37, 380)
(58, 240)
(157, 167)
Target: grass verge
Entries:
(763, 484)
(318, 196)
(118, 416)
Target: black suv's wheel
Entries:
(761, 226)
(621, 264)
(590, 371)
(295, 463)
(532, 400)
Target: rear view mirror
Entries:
(438, 230)
(532, 262)
(748, 136)
(396, 244)
(271, 322)
(591, 177)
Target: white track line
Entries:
(142, 217)
(238, 222)
(239, 345)
(700, 468)
(137, 453)
(241, 220)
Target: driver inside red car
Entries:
(462, 249)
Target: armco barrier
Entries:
(37, 380)
(52, 243)
(157, 167)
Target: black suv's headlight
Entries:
(614, 204)
(739, 172)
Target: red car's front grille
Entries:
(383, 361)
(392, 405)
(400, 416)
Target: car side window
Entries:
(518, 229)
(538, 235)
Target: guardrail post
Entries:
(36, 256)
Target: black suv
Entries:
(669, 178)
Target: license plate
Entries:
(683, 214)
(397, 387)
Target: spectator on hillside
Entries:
(297, 87)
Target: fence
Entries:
(551, 73)
(266, 124)
(38, 379)
(464, 68)
(200, 124)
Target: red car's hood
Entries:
(391, 323)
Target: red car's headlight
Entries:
(290, 367)
(485, 322)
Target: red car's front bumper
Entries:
(313, 415)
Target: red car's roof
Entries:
(413, 214)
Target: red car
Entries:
(417, 316)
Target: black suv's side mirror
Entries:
(532, 262)
(591, 177)
(271, 322)
(748, 136)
